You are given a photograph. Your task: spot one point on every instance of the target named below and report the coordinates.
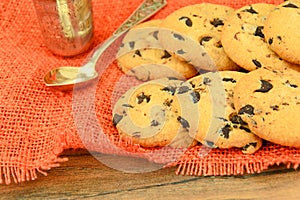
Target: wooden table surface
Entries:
(85, 177)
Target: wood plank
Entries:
(83, 176)
(267, 186)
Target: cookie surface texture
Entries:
(269, 101)
(151, 114)
(194, 32)
(282, 31)
(244, 41)
(142, 56)
(219, 124)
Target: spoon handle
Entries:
(143, 12)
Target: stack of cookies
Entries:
(235, 78)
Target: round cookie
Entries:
(282, 31)
(269, 101)
(183, 30)
(219, 124)
(142, 56)
(154, 113)
(244, 40)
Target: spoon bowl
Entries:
(64, 78)
(68, 75)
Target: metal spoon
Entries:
(64, 78)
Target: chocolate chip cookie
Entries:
(269, 101)
(194, 33)
(142, 56)
(282, 31)
(244, 41)
(156, 113)
(219, 124)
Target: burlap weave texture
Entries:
(37, 123)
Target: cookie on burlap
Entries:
(157, 113)
(142, 56)
(269, 101)
(282, 31)
(244, 40)
(194, 33)
(219, 124)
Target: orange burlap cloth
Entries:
(37, 123)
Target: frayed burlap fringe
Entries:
(223, 169)
(218, 169)
(18, 174)
(228, 162)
